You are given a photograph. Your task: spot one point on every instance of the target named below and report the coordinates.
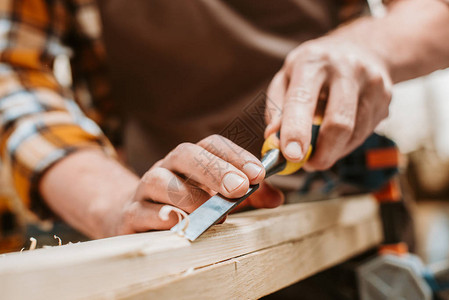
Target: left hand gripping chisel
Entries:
(214, 209)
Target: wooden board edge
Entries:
(263, 272)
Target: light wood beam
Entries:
(251, 255)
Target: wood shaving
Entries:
(189, 271)
(59, 240)
(165, 211)
(33, 243)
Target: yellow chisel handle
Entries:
(272, 142)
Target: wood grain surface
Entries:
(252, 254)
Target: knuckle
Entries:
(204, 142)
(376, 80)
(150, 177)
(382, 84)
(212, 142)
(153, 177)
(342, 123)
(299, 94)
(182, 148)
(387, 93)
(350, 58)
(217, 137)
(376, 77)
(336, 58)
(318, 60)
(290, 58)
(307, 53)
(314, 51)
(209, 139)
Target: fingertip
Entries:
(234, 185)
(254, 171)
(241, 191)
(293, 151)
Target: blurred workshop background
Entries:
(419, 124)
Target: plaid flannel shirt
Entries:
(40, 120)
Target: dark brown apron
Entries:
(183, 70)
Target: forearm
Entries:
(412, 40)
(86, 189)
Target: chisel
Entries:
(218, 206)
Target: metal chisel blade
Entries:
(209, 213)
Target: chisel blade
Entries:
(208, 214)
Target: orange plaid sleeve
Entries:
(40, 123)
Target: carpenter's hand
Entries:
(188, 176)
(359, 93)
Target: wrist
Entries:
(88, 189)
(410, 41)
(107, 209)
(113, 192)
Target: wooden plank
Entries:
(136, 265)
(260, 273)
